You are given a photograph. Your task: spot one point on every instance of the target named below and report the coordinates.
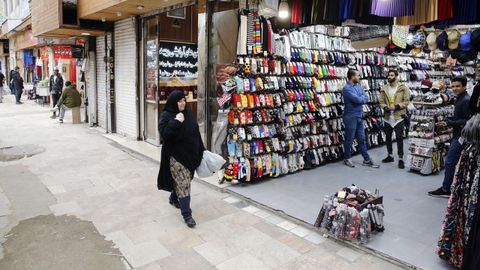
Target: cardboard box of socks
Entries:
(429, 133)
(285, 108)
(352, 213)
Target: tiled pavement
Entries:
(94, 180)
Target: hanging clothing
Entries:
(425, 11)
(471, 260)
(296, 16)
(392, 8)
(318, 11)
(307, 12)
(464, 12)
(242, 36)
(445, 9)
(462, 205)
(346, 9)
(361, 13)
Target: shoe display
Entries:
(440, 192)
(190, 222)
(370, 163)
(349, 163)
(401, 164)
(388, 159)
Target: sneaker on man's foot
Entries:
(19, 102)
(401, 164)
(440, 192)
(60, 121)
(349, 163)
(388, 159)
(190, 222)
(370, 163)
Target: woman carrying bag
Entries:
(182, 153)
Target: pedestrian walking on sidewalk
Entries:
(70, 98)
(394, 99)
(2, 91)
(182, 153)
(17, 82)
(56, 86)
(10, 81)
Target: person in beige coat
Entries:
(394, 99)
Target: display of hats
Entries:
(442, 41)
(463, 56)
(410, 39)
(437, 85)
(432, 41)
(419, 39)
(465, 42)
(426, 84)
(416, 50)
(453, 39)
(475, 39)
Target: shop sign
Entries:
(62, 51)
(178, 60)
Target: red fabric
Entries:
(445, 9)
(296, 12)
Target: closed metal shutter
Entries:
(91, 80)
(102, 105)
(125, 77)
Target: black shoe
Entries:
(60, 121)
(190, 222)
(440, 192)
(401, 164)
(175, 203)
(19, 102)
(388, 159)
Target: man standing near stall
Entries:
(460, 117)
(394, 99)
(354, 98)
(56, 86)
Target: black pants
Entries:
(399, 131)
(18, 94)
(55, 98)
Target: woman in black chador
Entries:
(182, 152)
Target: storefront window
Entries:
(151, 80)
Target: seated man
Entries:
(70, 98)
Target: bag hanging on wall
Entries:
(211, 163)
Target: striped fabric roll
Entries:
(392, 8)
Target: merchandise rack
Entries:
(429, 137)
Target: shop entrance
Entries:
(170, 63)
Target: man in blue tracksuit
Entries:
(354, 98)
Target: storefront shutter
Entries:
(101, 82)
(125, 77)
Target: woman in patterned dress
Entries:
(182, 152)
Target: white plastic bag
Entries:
(211, 163)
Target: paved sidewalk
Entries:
(88, 176)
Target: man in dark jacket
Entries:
(56, 86)
(10, 81)
(70, 98)
(18, 84)
(460, 117)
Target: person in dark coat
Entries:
(18, 85)
(56, 86)
(182, 153)
(10, 81)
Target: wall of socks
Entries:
(286, 106)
